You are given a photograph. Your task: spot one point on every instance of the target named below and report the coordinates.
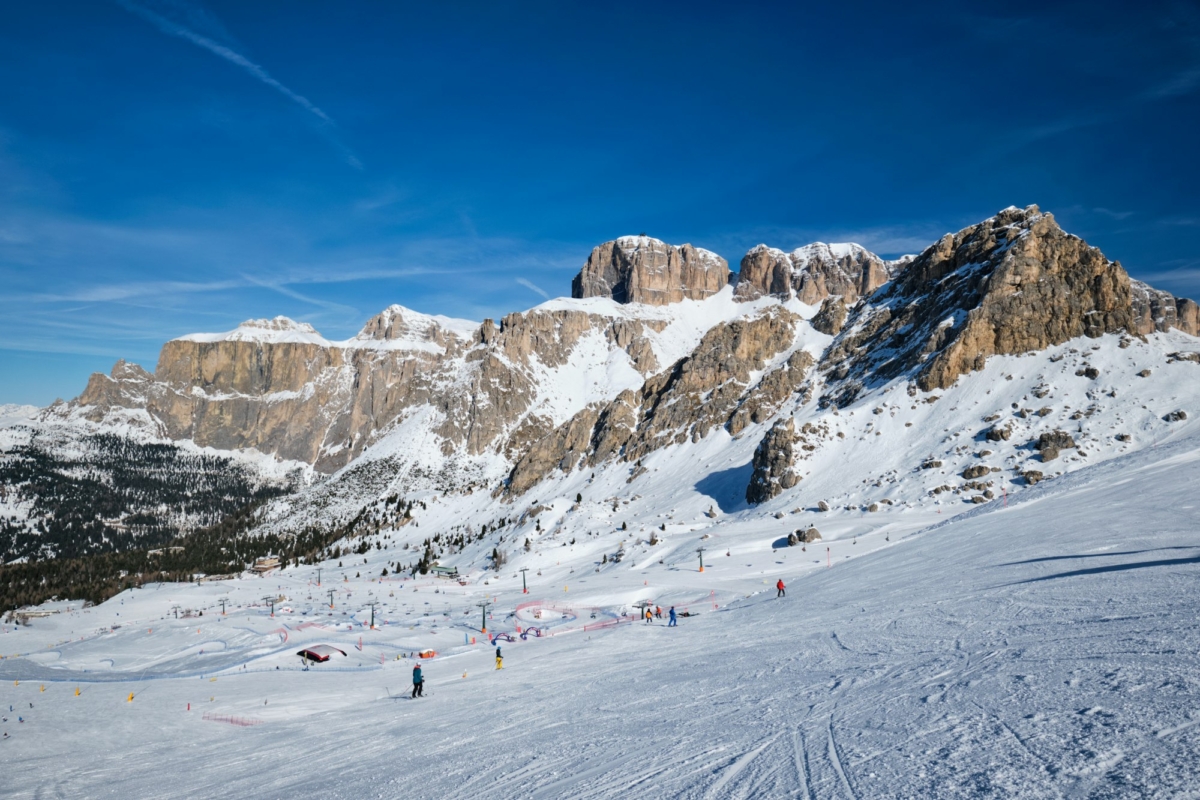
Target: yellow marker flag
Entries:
(77, 691)
(130, 700)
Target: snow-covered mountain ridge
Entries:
(826, 376)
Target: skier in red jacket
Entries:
(780, 589)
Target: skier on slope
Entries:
(499, 659)
(658, 612)
(418, 682)
(649, 615)
(780, 589)
(673, 622)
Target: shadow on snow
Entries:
(727, 487)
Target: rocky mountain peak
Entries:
(400, 325)
(279, 329)
(811, 273)
(640, 269)
(1011, 284)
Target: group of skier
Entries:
(418, 678)
(650, 612)
(656, 612)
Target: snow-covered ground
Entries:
(1046, 647)
(12, 414)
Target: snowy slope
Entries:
(12, 414)
(1046, 648)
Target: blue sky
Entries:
(169, 166)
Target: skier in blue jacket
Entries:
(418, 682)
(673, 623)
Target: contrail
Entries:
(531, 285)
(183, 32)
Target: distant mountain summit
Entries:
(812, 273)
(639, 269)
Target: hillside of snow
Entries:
(1042, 645)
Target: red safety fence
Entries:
(241, 722)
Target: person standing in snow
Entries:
(780, 589)
(649, 615)
(418, 682)
(499, 659)
(672, 623)
(658, 612)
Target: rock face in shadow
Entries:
(639, 269)
(1011, 284)
(773, 463)
(811, 273)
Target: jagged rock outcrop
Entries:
(811, 273)
(832, 316)
(707, 389)
(1156, 310)
(1011, 284)
(772, 463)
(639, 269)
(772, 391)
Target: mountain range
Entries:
(824, 385)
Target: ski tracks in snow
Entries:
(721, 788)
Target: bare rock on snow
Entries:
(998, 433)
(1050, 444)
(772, 463)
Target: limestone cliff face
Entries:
(1156, 310)
(811, 273)
(278, 387)
(710, 388)
(638, 269)
(1011, 284)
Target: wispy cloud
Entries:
(192, 12)
(303, 298)
(1117, 215)
(1184, 82)
(528, 284)
(134, 290)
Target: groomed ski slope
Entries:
(1047, 649)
